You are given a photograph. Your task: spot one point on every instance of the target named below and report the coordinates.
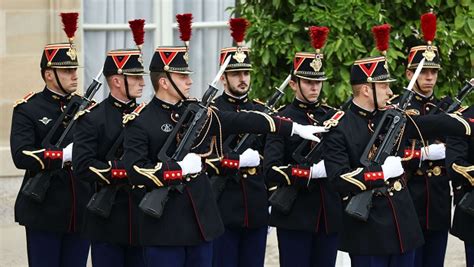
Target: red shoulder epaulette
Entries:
(135, 113)
(334, 120)
(24, 99)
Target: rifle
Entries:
(192, 122)
(37, 186)
(467, 203)
(392, 123)
(284, 197)
(218, 183)
(102, 201)
(449, 105)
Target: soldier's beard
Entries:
(238, 92)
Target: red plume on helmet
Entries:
(382, 37)
(238, 27)
(70, 24)
(184, 26)
(428, 26)
(138, 29)
(318, 36)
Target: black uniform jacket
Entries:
(61, 210)
(460, 166)
(428, 181)
(243, 203)
(392, 226)
(95, 135)
(192, 215)
(317, 207)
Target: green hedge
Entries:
(277, 32)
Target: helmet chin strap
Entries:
(376, 106)
(127, 92)
(59, 83)
(168, 75)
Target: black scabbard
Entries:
(283, 199)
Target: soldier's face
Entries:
(183, 82)
(426, 81)
(309, 89)
(135, 85)
(67, 78)
(237, 82)
(384, 93)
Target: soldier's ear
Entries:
(366, 90)
(49, 75)
(293, 85)
(163, 82)
(408, 74)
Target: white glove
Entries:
(318, 170)
(433, 152)
(250, 158)
(190, 164)
(308, 131)
(67, 153)
(392, 167)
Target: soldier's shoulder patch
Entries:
(24, 99)
(334, 120)
(392, 99)
(135, 113)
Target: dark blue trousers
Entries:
(304, 249)
(433, 251)
(47, 249)
(111, 255)
(240, 247)
(179, 256)
(400, 260)
(469, 248)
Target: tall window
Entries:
(105, 27)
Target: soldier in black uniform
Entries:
(190, 221)
(98, 150)
(428, 181)
(391, 233)
(307, 234)
(51, 225)
(460, 167)
(242, 201)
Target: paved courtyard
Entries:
(13, 246)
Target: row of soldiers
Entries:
(214, 204)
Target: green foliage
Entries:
(277, 32)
